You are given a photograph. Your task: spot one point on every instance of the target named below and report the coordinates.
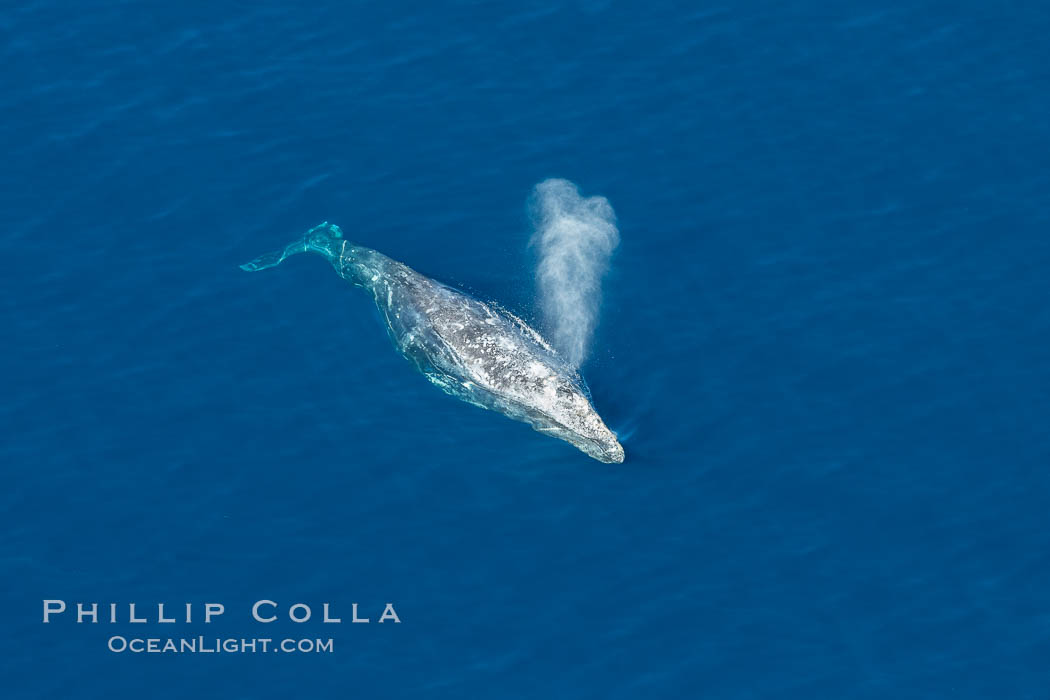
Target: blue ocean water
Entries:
(824, 338)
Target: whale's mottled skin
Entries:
(474, 351)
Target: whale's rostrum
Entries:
(475, 351)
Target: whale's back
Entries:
(490, 357)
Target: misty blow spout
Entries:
(575, 238)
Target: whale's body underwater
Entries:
(474, 351)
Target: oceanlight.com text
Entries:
(217, 645)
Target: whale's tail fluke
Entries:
(325, 238)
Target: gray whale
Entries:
(477, 352)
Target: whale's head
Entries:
(604, 448)
(594, 438)
(571, 417)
